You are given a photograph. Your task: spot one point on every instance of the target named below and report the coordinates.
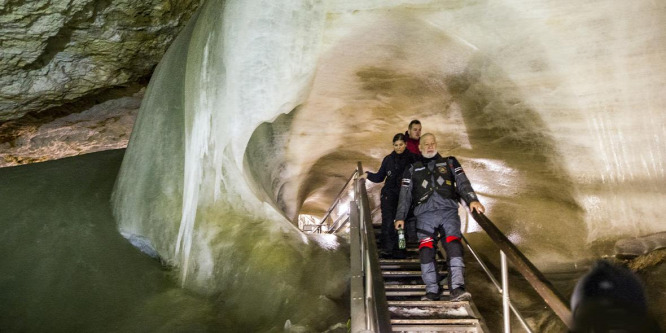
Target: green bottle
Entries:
(401, 239)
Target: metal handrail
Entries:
(335, 203)
(345, 219)
(525, 267)
(369, 307)
(358, 312)
(335, 226)
(499, 288)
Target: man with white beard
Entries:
(433, 185)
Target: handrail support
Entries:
(505, 293)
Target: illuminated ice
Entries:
(260, 111)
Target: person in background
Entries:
(433, 186)
(413, 135)
(390, 172)
(610, 298)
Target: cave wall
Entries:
(57, 52)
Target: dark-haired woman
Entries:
(393, 166)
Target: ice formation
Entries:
(555, 110)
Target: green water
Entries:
(65, 268)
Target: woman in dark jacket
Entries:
(393, 166)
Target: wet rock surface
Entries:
(104, 126)
(55, 52)
(638, 246)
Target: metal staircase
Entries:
(386, 293)
(403, 289)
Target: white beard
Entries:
(431, 155)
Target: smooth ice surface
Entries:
(260, 112)
(183, 184)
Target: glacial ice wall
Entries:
(556, 110)
(260, 111)
(183, 186)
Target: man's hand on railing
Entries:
(476, 206)
(399, 224)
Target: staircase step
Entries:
(430, 310)
(407, 264)
(409, 291)
(401, 266)
(408, 261)
(436, 328)
(409, 258)
(406, 293)
(394, 274)
(429, 303)
(389, 274)
(454, 321)
(405, 287)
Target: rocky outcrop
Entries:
(56, 52)
(638, 246)
(104, 126)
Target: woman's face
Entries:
(399, 146)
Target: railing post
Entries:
(357, 294)
(540, 284)
(497, 285)
(505, 293)
(369, 298)
(379, 319)
(335, 202)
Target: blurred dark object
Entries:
(610, 298)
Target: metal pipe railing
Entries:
(376, 280)
(358, 312)
(370, 315)
(497, 285)
(337, 225)
(505, 293)
(369, 305)
(521, 264)
(334, 204)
